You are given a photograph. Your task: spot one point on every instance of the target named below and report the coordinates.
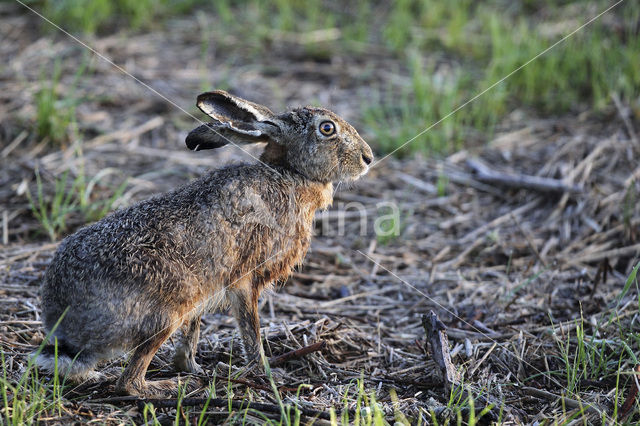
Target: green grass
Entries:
(52, 211)
(481, 44)
(449, 51)
(54, 113)
(388, 224)
(27, 399)
(55, 117)
(31, 398)
(585, 69)
(91, 16)
(606, 353)
(442, 183)
(586, 357)
(72, 196)
(363, 405)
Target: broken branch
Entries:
(486, 175)
(298, 353)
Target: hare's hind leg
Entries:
(132, 381)
(243, 299)
(184, 359)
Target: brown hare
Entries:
(129, 281)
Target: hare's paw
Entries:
(169, 388)
(188, 364)
(147, 389)
(133, 388)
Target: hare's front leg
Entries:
(184, 359)
(244, 307)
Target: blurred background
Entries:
(393, 68)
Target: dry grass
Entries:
(530, 285)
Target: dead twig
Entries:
(281, 359)
(258, 386)
(571, 403)
(632, 250)
(484, 357)
(486, 175)
(211, 402)
(437, 337)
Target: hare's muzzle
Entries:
(367, 158)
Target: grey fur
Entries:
(133, 278)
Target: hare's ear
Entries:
(236, 121)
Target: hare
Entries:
(128, 282)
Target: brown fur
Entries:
(130, 280)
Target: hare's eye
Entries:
(327, 128)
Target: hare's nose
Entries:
(367, 159)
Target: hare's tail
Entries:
(73, 365)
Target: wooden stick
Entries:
(437, 337)
(632, 250)
(571, 403)
(485, 174)
(281, 359)
(235, 404)
(262, 387)
(14, 144)
(213, 402)
(418, 183)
